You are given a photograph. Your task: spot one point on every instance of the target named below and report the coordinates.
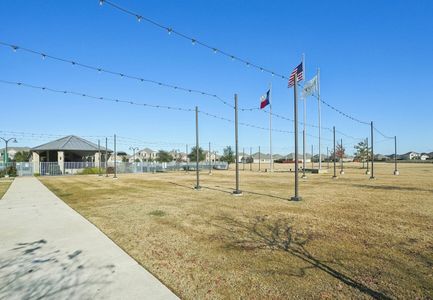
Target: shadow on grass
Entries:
(35, 270)
(261, 233)
(391, 188)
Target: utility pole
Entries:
(372, 152)
(334, 157)
(296, 197)
(115, 158)
(342, 156)
(396, 172)
(236, 191)
(271, 162)
(197, 152)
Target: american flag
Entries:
(299, 70)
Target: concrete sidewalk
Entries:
(49, 251)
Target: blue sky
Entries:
(375, 58)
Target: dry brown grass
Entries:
(349, 238)
(4, 185)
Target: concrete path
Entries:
(49, 251)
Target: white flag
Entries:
(310, 87)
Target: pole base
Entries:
(197, 188)
(295, 198)
(342, 172)
(334, 177)
(372, 177)
(237, 193)
(304, 177)
(367, 172)
(396, 172)
(115, 177)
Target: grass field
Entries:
(348, 238)
(4, 185)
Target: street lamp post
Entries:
(14, 140)
(133, 156)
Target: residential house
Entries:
(424, 156)
(12, 151)
(410, 155)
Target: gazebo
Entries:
(71, 150)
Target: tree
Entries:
(228, 155)
(124, 159)
(340, 151)
(164, 156)
(137, 160)
(192, 155)
(362, 152)
(22, 156)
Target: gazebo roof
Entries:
(70, 142)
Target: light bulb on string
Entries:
(139, 18)
(101, 2)
(215, 50)
(169, 30)
(44, 56)
(193, 41)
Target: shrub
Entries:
(88, 171)
(110, 170)
(11, 171)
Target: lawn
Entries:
(348, 238)
(4, 185)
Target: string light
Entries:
(134, 103)
(193, 41)
(100, 70)
(182, 35)
(139, 18)
(101, 2)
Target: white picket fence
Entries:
(71, 168)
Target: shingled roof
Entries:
(70, 142)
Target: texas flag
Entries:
(264, 100)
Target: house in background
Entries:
(410, 155)
(424, 156)
(12, 151)
(147, 154)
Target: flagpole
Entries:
(304, 132)
(320, 123)
(271, 163)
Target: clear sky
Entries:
(375, 57)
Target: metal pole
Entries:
(197, 152)
(115, 158)
(342, 156)
(99, 156)
(320, 117)
(236, 191)
(295, 90)
(335, 164)
(210, 161)
(395, 156)
(259, 158)
(106, 157)
(271, 162)
(372, 152)
(368, 155)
